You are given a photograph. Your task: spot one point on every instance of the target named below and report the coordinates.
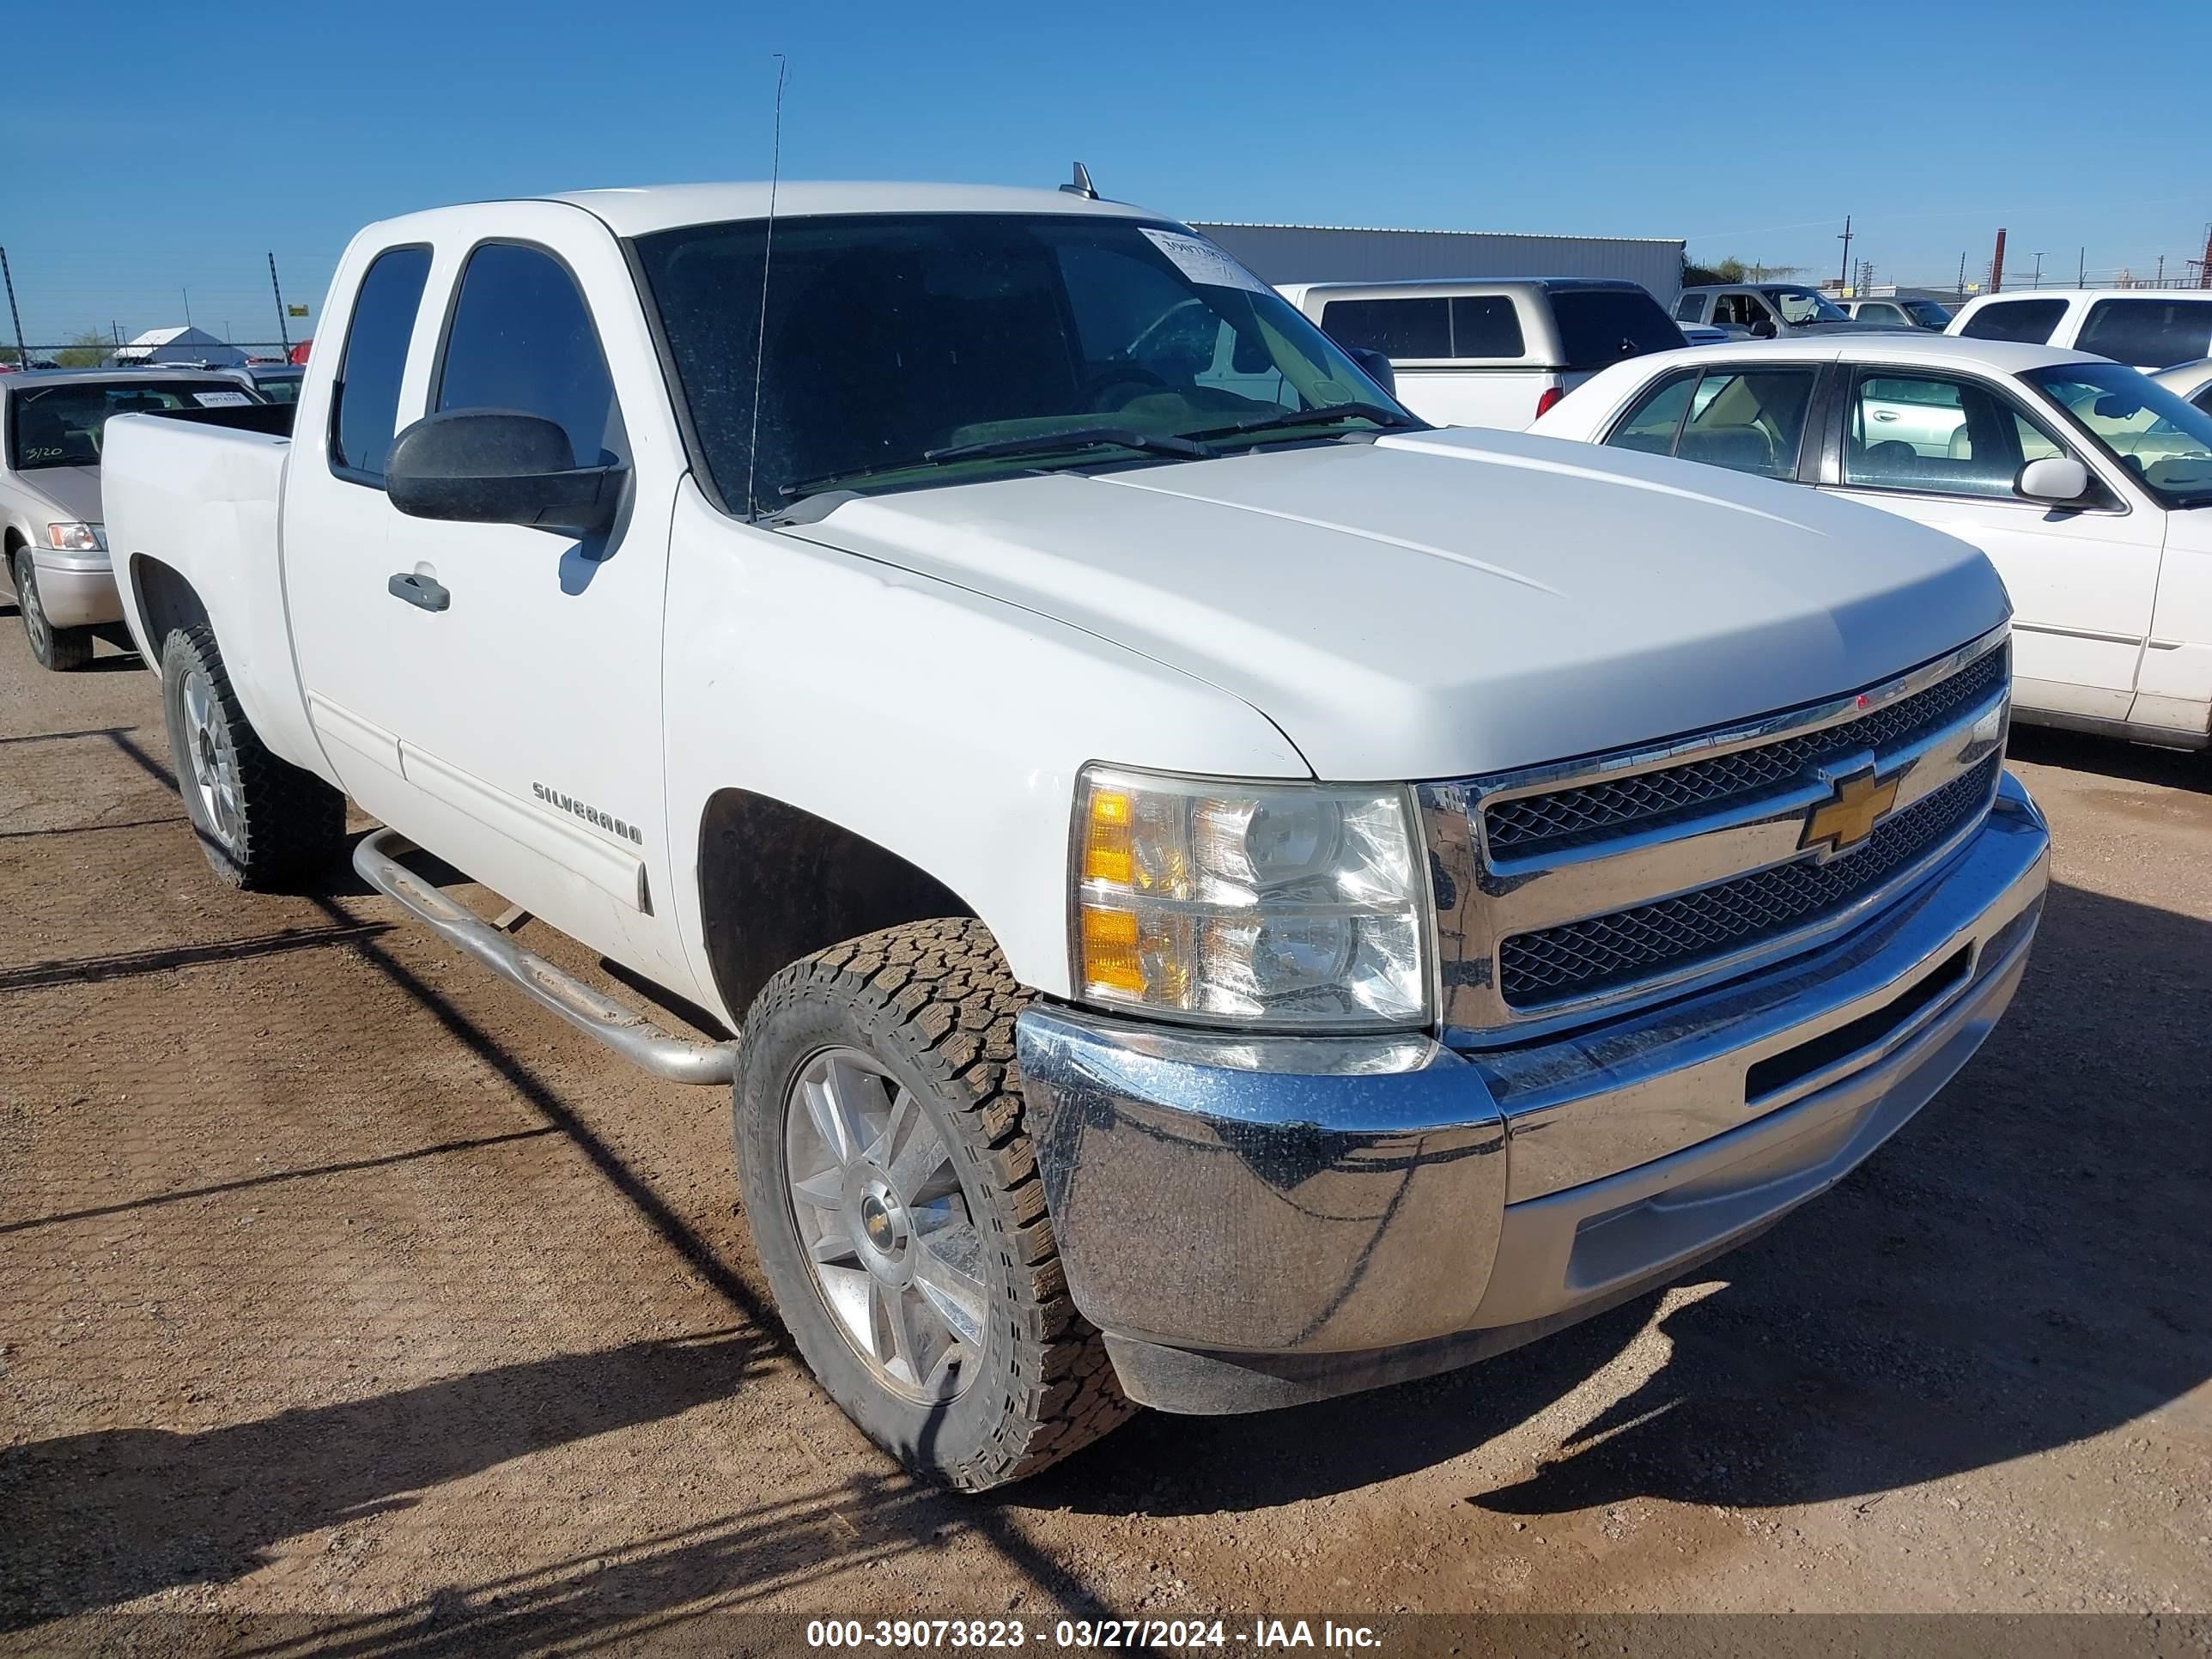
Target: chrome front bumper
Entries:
(76, 589)
(1258, 1221)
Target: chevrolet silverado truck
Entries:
(1225, 894)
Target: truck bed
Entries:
(196, 490)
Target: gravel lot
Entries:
(336, 1280)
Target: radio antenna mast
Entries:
(760, 341)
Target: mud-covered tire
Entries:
(59, 649)
(932, 1005)
(266, 827)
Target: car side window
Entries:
(365, 401)
(1485, 326)
(522, 339)
(1747, 421)
(1935, 434)
(1879, 313)
(1653, 425)
(2029, 321)
(1688, 307)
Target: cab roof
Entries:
(640, 211)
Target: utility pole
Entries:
(2161, 282)
(1962, 275)
(187, 293)
(1845, 281)
(22, 357)
(1996, 264)
(282, 332)
(2204, 265)
(2036, 281)
(2081, 270)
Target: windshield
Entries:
(61, 425)
(1926, 313)
(2165, 442)
(892, 340)
(1801, 305)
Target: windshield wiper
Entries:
(1031, 443)
(1293, 418)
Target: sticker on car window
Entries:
(1203, 262)
(219, 399)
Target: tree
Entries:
(1731, 270)
(87, 349)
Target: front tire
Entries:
(894, 1199)
(59, 649)
(265, 825)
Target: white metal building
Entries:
(1328, 254)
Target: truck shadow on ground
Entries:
(106, 1516)
(2171, 769)
(2021, 1267)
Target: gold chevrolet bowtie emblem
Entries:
(1848, 817)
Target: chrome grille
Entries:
(1562, 818)
(1583, 957)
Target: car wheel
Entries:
(57, 648)
(895, 1202)
(264, 824)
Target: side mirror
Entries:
(498, 466)
(2059, 479)
(1763, 328)
(1376, 367)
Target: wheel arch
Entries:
(777, 883)
(164, 600)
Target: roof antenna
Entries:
(760, 341)
(1081, 185)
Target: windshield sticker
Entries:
(219, 399)
(1203, 262)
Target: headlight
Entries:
(1251, 903)
(77, 538)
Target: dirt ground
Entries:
(337, 1280)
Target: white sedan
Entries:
(2089, 486)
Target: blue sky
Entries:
(197, 138)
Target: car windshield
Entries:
(1926, 313)
(1801, 305)
(61, 425)
(890, 342)
(2165, 442)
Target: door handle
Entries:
(424, 592)
(1885, 414)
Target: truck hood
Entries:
(1439, 603)
(64, 492)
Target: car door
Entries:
(493, 690)
(2083, 580)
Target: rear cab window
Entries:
(1601, 326)
(2028, 321)
(365, 401)
(2148, 333)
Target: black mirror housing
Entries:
(498, 466)
(1376, 367)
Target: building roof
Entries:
(1401, 230)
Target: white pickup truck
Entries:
(1227, 895)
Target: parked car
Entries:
(2088, 485)
(2191, 382)
(278, 383)
(1765, 311)
(1228, 895)
(1894, 312)
(2146, 329)
(52, 532)
(1489, 353)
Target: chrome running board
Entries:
(630, 1035)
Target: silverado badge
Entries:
(1849, 815)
